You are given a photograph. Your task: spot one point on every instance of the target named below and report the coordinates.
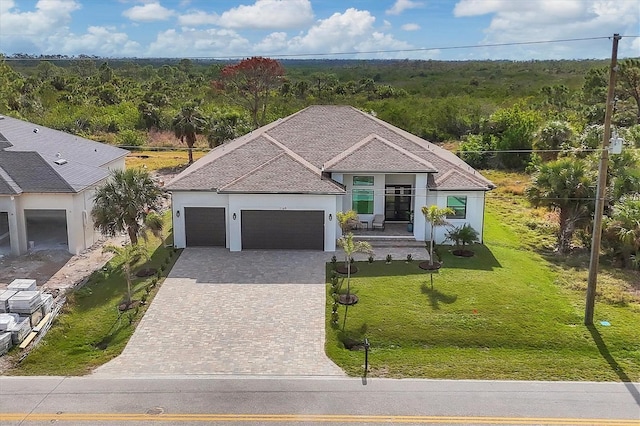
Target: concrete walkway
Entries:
(247, 313)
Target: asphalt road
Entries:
(233, 400)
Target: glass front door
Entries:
(397, 202)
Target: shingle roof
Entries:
(31, 173)
(322, 138)
(38, 148)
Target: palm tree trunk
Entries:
(133, 235)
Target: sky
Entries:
(344, 29)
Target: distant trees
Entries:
(250, 83)
(629, 83)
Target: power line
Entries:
(324, 54)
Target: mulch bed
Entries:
(342, 269)
(146, 272)
(463, 253)
(344, 300)
(427, 267)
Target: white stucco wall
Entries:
(9, 204)
(475, 214)
(239, 202)
(235, 203)
(182, 199)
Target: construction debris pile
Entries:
(24, 311)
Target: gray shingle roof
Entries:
(322, 138)
(31, 173)
(40, 147)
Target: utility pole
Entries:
(594, 260)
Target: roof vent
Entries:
(36, 130)
(60, 161)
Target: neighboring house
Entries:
(281, 185)
(47, 182)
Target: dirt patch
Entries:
(39, 265)
(56, 269)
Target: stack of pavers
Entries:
(22, 307)
(7, 323)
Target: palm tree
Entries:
(124, 202)
(436, 216)
(187, 124)
(623, 229)
(462, 235)
(350, 247)
(565, 185)
(130, 254)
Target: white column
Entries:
(419, 200)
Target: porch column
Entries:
(419, 200)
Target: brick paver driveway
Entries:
(253, 312)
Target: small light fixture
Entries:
(234, 216)
(177, 213)
(330, 217)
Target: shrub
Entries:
(370, 259)
(409, 257)
(389, 258)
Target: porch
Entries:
(394, 239)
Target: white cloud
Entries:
(198, 18)
(190, 42)
(410, 27)
(48, 16)
(102, 41)
(148, 12)
(269, 14)
(401, 5)
(274, 42)
(535, 20)
(45, 29)
(351, 31)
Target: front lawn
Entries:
(498, 315)
(91, 329)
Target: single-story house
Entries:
(47, 182)
(280, 186)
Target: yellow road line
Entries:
(311, 418)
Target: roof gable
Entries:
(376, 154)
(283, 174)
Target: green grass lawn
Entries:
(498, 315)
(91, 330)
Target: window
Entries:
(362, 201)
(363, 181)
(458, 203)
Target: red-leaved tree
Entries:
(250, 83)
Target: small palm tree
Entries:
(187, 124)
(129, 254)
(463, 235)
(347, 220)
(350, 247)
(125, 202)
(436, 216)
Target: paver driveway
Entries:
(252, 312)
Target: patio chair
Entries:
(378, 222)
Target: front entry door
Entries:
(397, 202)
